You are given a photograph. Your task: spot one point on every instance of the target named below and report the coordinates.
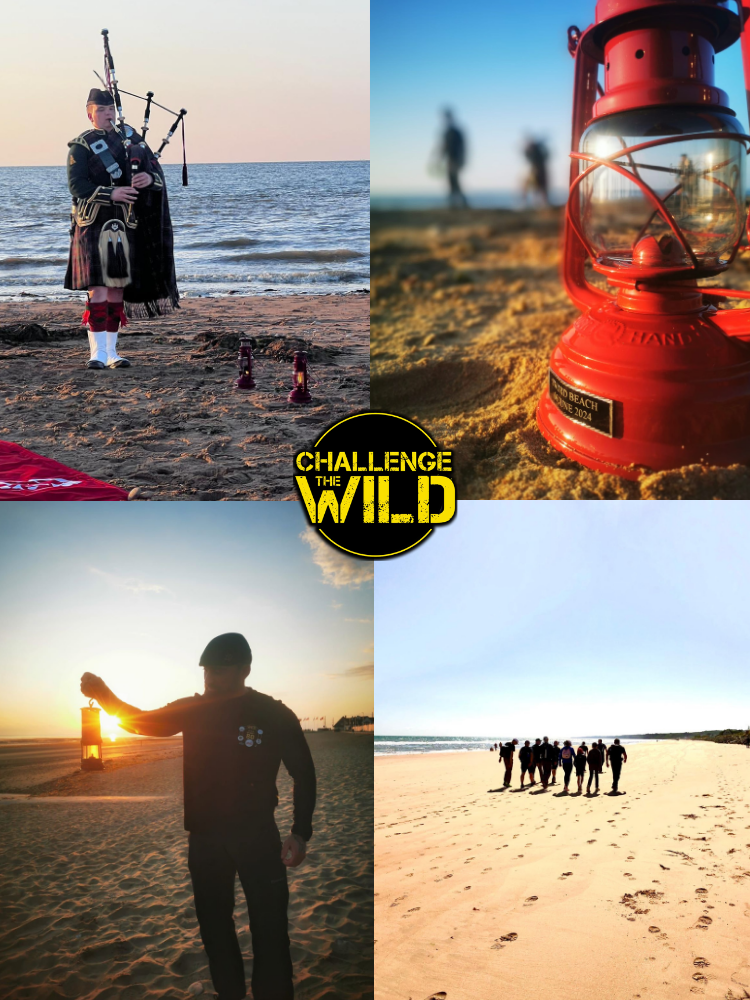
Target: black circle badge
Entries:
(375, 484)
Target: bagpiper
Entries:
(121, 247)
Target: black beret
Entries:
(101, 97)
(228, 650)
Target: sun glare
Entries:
(110, 726)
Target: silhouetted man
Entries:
(506, 756)
(595, 766)
(234, 740)
(536, 154)
(545, 754)
(453, 152)
(525, 755)
(616, 755)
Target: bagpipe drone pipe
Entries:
(137, 149)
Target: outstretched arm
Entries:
(162, 722)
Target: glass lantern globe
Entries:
(700, 182)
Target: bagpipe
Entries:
(136, 151)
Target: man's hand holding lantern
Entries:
(93, 686)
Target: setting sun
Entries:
(110, 726)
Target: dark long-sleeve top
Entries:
(87, 174)
(232, 750)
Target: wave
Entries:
(314, 256)
(431, 743)
(24, 261)
(233, 241)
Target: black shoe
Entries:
(97, 365)
(120, 363)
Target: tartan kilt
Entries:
(84, 264)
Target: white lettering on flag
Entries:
(32, 485)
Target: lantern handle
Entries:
(91, 702)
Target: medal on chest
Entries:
(250, 736)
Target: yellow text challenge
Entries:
(325, 493)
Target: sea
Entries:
(240, 229)
(385, 745)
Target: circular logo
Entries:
(242, 729)
(260, 731)
(375, 484)
(257, 742)
(248, 743)
(240, 738)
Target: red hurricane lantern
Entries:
(91, 739)
(245, 363)
(653, 375)
(300, 393)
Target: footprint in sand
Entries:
(701, 962)
(531, 899)
(435, 996)
(704, 922)
(654, 930)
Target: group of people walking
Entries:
(546, 757)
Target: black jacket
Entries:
(232, 750)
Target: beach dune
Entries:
(96, 895)
(487, 893)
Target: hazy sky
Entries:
(566, 617)
(504, 67)
(134, 592)
(287, 80)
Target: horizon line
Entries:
(223, 163)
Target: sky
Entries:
(524, 619)
(280, 81)
(134, 592)
(505, 69)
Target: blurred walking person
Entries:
(452, 158)
(536, 183)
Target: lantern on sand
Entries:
(300, 392)
(653, 375)
(245, 363)
(91, 739)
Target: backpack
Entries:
(505, 751)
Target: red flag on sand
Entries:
(27, 476)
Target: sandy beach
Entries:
(466, 308)
(532, 894)
(97, 903)
(173, 423)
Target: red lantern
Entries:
(653, 375)
(300, 393)
(245, 363)
(91, 739)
